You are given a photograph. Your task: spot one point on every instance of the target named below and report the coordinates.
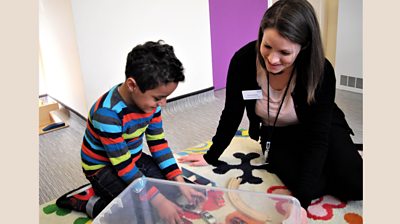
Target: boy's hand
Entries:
(191, 195)
(193, 160)
(167, 210)
(188, 192)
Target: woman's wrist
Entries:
(207, 159)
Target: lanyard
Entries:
(269, 135)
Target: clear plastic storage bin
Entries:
(219, 205)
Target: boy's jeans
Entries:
(107, 184)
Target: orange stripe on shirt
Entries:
(93, 155)
(156, 120)
(149, 194)
(134, 116)
(137, 157)
(159, 147)
(126, 169)
(95, 135)
(97, 103)
(133, 139)
(173, 174)
(110, 141)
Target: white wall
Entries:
(93, 37)
(61, 75)
(42, 83)
(107, 30)
(349, 41)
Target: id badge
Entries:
(252, 94)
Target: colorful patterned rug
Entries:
(243, 160)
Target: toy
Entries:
(210, 219)
(196, 178)
(191, 208)
(243, 207)
(219, 200)
(236, 220)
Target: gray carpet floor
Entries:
(187, 122)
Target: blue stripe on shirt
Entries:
(107, 101)
(109, 128)
(107, 113)
(115, 147)
(156, 125)
(137, 121)
(92, 145)
(128, 176)
(90, 159)
(119, 106)
(136, 150)
(167, 163)
(161, 152)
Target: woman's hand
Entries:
(167, 210)
(193, 160)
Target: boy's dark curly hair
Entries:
(153, 64)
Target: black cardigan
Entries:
(316, 118)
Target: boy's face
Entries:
(149, 100)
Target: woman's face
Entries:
(278, 52)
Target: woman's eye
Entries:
(157, 99)
(267, 46)
(285, 53)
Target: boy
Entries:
(112, 145)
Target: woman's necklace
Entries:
(271, 129)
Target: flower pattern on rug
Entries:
(245, 166)
(83, 220)
(322, 208)
(53, 208)
(280, 205)
(353, 218)
(199, 149)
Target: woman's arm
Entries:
(233, 111)
(241, 76)
(318, 125)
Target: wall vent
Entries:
(351, 81)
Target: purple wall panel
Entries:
(233, 24)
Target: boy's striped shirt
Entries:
(115, 133)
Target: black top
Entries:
(315, 118)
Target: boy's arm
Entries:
(108, 127)
(159, 148)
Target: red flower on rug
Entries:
(280, 205)
(320, 209)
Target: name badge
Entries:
(252, 94)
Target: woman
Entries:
(303, 133)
